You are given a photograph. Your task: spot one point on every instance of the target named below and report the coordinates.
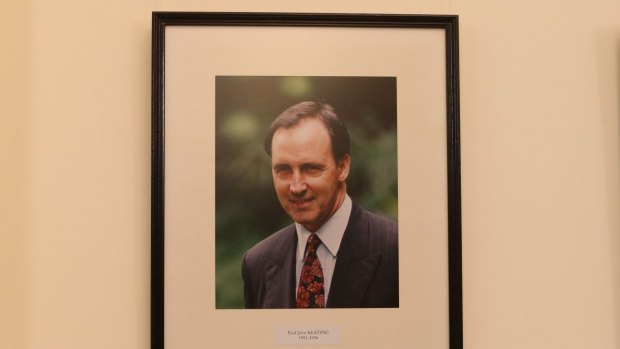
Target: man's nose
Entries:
(298, 185)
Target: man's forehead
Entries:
(303, 145)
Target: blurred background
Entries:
(247, 209)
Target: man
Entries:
(336, 254)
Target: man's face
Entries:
(309, 182)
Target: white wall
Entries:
(540, 112)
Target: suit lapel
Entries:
(280, 273)
(355, 265)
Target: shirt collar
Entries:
(330, 232)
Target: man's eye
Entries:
(281, 171)
(313, 170)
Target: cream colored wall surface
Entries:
(14, 98)
(540, 103)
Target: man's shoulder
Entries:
(381, 232)
(377, 223)
(275, 242)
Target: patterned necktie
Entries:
(310, 293)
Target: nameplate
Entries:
(307, 335)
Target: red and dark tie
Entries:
(310, 292)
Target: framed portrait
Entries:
(305, 161)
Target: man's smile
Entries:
(301, 203)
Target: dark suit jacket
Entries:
(365, 275)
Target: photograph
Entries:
(301, 156)
(305, 182)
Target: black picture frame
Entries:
(447, 23)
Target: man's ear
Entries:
(343, 167)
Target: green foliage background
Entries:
(247, 209)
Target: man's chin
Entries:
(304, 220)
